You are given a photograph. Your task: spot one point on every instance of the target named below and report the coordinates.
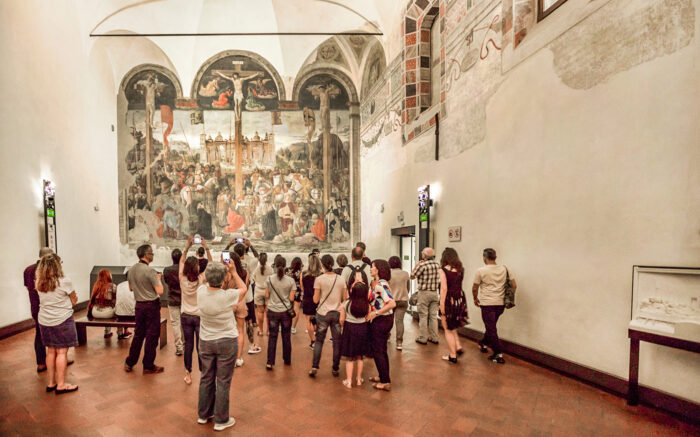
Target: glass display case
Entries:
(666, 301)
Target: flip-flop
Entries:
(50, 389)
(66, 390)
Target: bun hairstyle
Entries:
(280, 264)
(327, 262)
(262, 259)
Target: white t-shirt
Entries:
(347, 271)
(261, 279)
(251, 263)
(329, 300)
(55, 306)
(491, 279)
(216, 318)
(126, 304)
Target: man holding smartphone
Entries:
(146, 285)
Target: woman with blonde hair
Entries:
(308, 277)
(56, 300)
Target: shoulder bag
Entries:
(290, 311)
(509, 292)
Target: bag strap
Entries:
(269, 281)
(329, 293)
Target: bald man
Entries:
(427, 273)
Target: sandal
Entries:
(360, 381)
(69, 388)
(374, 379)
(347, 383)
(460, 351)
(188, 378)
(385, 387)
(50, 389)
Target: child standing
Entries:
(353, 342)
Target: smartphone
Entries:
(239, 240)
(197, 240)
(226, 256)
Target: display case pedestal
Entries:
(637, 336)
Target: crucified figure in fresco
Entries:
(324, 93)
(149, 87)
(238, 89)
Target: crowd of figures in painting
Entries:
(179, 173)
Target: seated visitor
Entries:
(125, 306)
(103, 300)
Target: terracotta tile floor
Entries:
(429, 397)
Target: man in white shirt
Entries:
(125, 308)
(491, 279)
(355, 265)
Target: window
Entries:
(546, 7)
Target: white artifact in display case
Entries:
(666, 300)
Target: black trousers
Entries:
(276, 320)
(148, 329)
(39, 349)
(490, 315)
(378, 332)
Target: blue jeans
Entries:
(190, 328)
(274, 321)
(218, 359)
(332, 320)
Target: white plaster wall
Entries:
(572, 188)
(57, 107)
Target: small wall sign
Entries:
(454, 233)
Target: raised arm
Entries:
(249, 245)
(204, 244)
(181, 266)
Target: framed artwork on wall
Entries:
(546, 7)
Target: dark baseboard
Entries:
(25, 325)
(683, 409)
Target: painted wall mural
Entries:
(236, 165)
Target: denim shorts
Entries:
(60, 336)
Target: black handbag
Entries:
(290, 311)
(509, 292)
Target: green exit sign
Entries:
(423, 218)
(51, 213)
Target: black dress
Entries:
(455, 303)
(307, 300)
(354, 342)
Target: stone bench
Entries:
(82, 324)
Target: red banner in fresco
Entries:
(166, 116)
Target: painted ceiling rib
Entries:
(126, 35)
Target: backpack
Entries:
(353, 270)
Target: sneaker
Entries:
(311, 345)
(497, 358)
(483, 349)
(254, 350)
(204, 421)
(421, 341)
(399, 346)
(294, 330)
(124, 336)
(223, 426)
(313, 372)
(433, 341)
(155, 369)
(109, 335)
(239, 362)
(268, 366)
(178, 352)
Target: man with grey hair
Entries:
(29, 283)
(428, 276)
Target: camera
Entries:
(226, 256)
(239, 240)
(197, 239)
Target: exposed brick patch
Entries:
(411, 135)
(410, 102)
(425, 87)
(411, 64)
(424, 35)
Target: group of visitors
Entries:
(212, 303)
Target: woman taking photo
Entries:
(279, 292)
(294, 272)
(56, 300)
(308, 306)
(381, 320)
(218, 344)
(235, 266)
(453, 303)
(103, 301)
(190, 280)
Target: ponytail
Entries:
(280, 265)
(263, 260)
